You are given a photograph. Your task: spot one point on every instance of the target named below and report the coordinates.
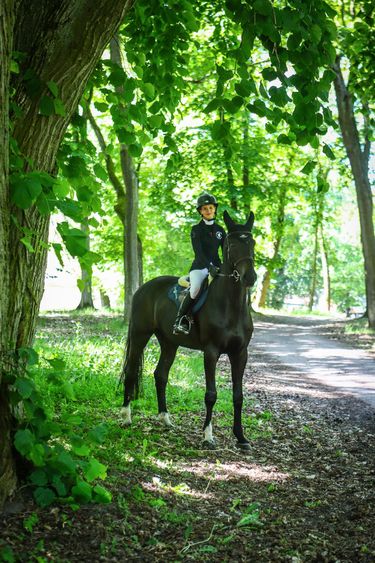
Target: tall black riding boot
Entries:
(182, 323)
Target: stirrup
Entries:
(179, 328)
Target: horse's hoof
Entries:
(165, 419)
(209, 445)
(244, 446)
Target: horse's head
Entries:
(239, 249)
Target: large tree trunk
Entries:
(7, 465)
(359, 166)
(62, 41)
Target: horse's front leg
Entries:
(210, 360)
(238, 363)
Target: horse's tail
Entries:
(132, 366)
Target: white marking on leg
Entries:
(164, 417)
(126, 415)
(208, 436)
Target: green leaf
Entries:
(155, 121)
(58, 250)
(29, 355)
(135, 150)
(309, 166)
(98, 434)
(329, 152)
(263, 7)
(68, 390)
(284, 139)
(43, 204)
(39, 477)
(24, 190)
(46, 106)
(220, 130)
(44, 496)
(24, 386)
(82, 492)
(37, 455)
(59, 485)
(59, 107)
(101, 106)
(149, 90)
(65, 463)
(14, 67)
(53, 88)
(100, 172)
(94, 470)
(27, 242)
(24, 441)
(101, 494)
(315, 33)
(75, 239)
(213, 105)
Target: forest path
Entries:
(299, 343)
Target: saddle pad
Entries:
(176, 293)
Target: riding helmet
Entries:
(206, 199)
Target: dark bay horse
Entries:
(222, 326)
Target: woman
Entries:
(206, 238)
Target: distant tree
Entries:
(354, 97)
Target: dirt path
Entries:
(304, 494)
(297, 343)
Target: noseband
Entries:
(235, 273)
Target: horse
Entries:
(222, 326)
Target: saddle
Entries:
(178, 291)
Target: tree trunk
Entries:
(130, 180)
(86, 276)
(359, 166)
(325, 271)
(7, 465)
(279, 229)
(314, 270)
(62, 42)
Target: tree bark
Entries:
(279, 229)
(314, 269)
(359, 166)
(86, 301)
(62, 41)
(130, 180)
(325, 270)
(7, 466)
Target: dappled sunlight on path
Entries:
(332, 363)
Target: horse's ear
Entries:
(228, 220)
(250, 221)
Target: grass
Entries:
(92, 348)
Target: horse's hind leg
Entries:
(167, 356)
(132, 370)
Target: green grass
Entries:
(92, 348)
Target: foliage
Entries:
(61, 457)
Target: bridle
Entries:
(235, 273)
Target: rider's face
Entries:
(208, 211)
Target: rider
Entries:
(206, 238)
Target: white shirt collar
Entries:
(209, 222)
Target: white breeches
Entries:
(196, 279)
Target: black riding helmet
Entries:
(206, 199)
